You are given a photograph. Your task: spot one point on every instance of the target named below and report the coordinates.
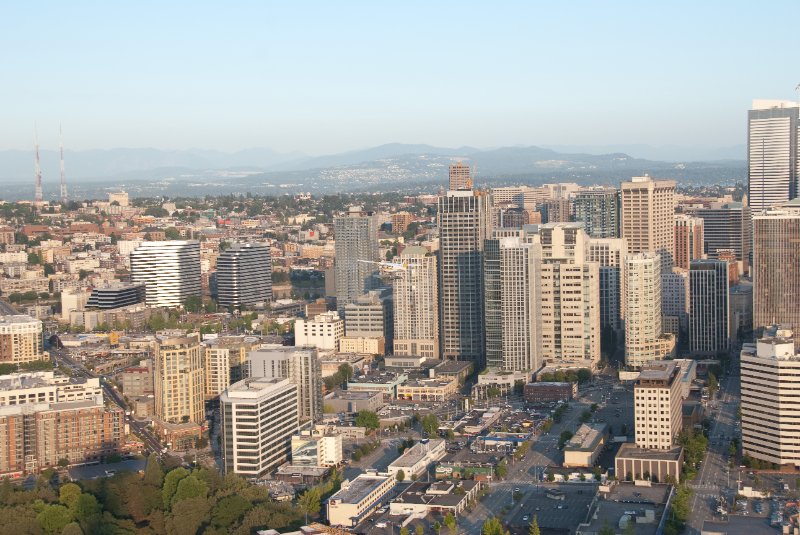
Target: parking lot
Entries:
(560, 514)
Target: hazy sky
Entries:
(327, 76)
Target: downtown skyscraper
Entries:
(464, 219)
(709, 307)
(776, 268)
(598, 209)
(356, 255)
(244, 275)
(648, 222)
(416, 305)
(512, 304)
(169, 270)
(772, 153)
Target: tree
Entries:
(68, 494)
(188, 516)
(367, 419)
(630, 527)
(713, 385)
(171, 233)
(309, 502)
(493, 526)
(404, 531)
(153, 473)
(419, 530)
(73, 528)
(229, 510)
(189, 487)
(534, 530)
(501, 470)
(606, 529)
(437, 527)
(170, 486)
(401, 475)
(85, 508)
(53, 518)
(450, 522)
(430, 424)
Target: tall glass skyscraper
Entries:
(356, 254)
(464, 220)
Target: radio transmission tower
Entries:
(38, 194)
(63, 174)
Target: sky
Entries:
(324, 77)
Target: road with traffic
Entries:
(715, 477)
(62, 357)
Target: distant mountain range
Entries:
(390, 166)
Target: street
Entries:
(62, 357)
(715, 477)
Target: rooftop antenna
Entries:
(38, 168)
(63, 174)
(763, 183)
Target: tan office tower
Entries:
(658, 401)
(644, 340)
(464, 219)
(570, 297)
(179, 379)
(416, 305)
(648, 210)
(776, 268)
(771, 398)
(459, 177)
(688, 240)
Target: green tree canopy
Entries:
(367, 419)
(53, 518)
(170, 486)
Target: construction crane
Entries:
(389, 269)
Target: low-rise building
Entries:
(415, 460)
(357, 499)
(585, 446)
(550, 392)
(385, 383)
(47, 387)
(322, 332)
(428, 390)
(352, 402)
(363, 344)
(324, 450)
(633, 463)
(36, 436)
(440, 498)
(138, 380)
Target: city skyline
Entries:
(352, 77)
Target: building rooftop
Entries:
(352, 396)
(17, 319)
(440, 493)
(587, 437)
(657, 372)
(415, 453)
(252, 388)
(631, 450)
(359, 488)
